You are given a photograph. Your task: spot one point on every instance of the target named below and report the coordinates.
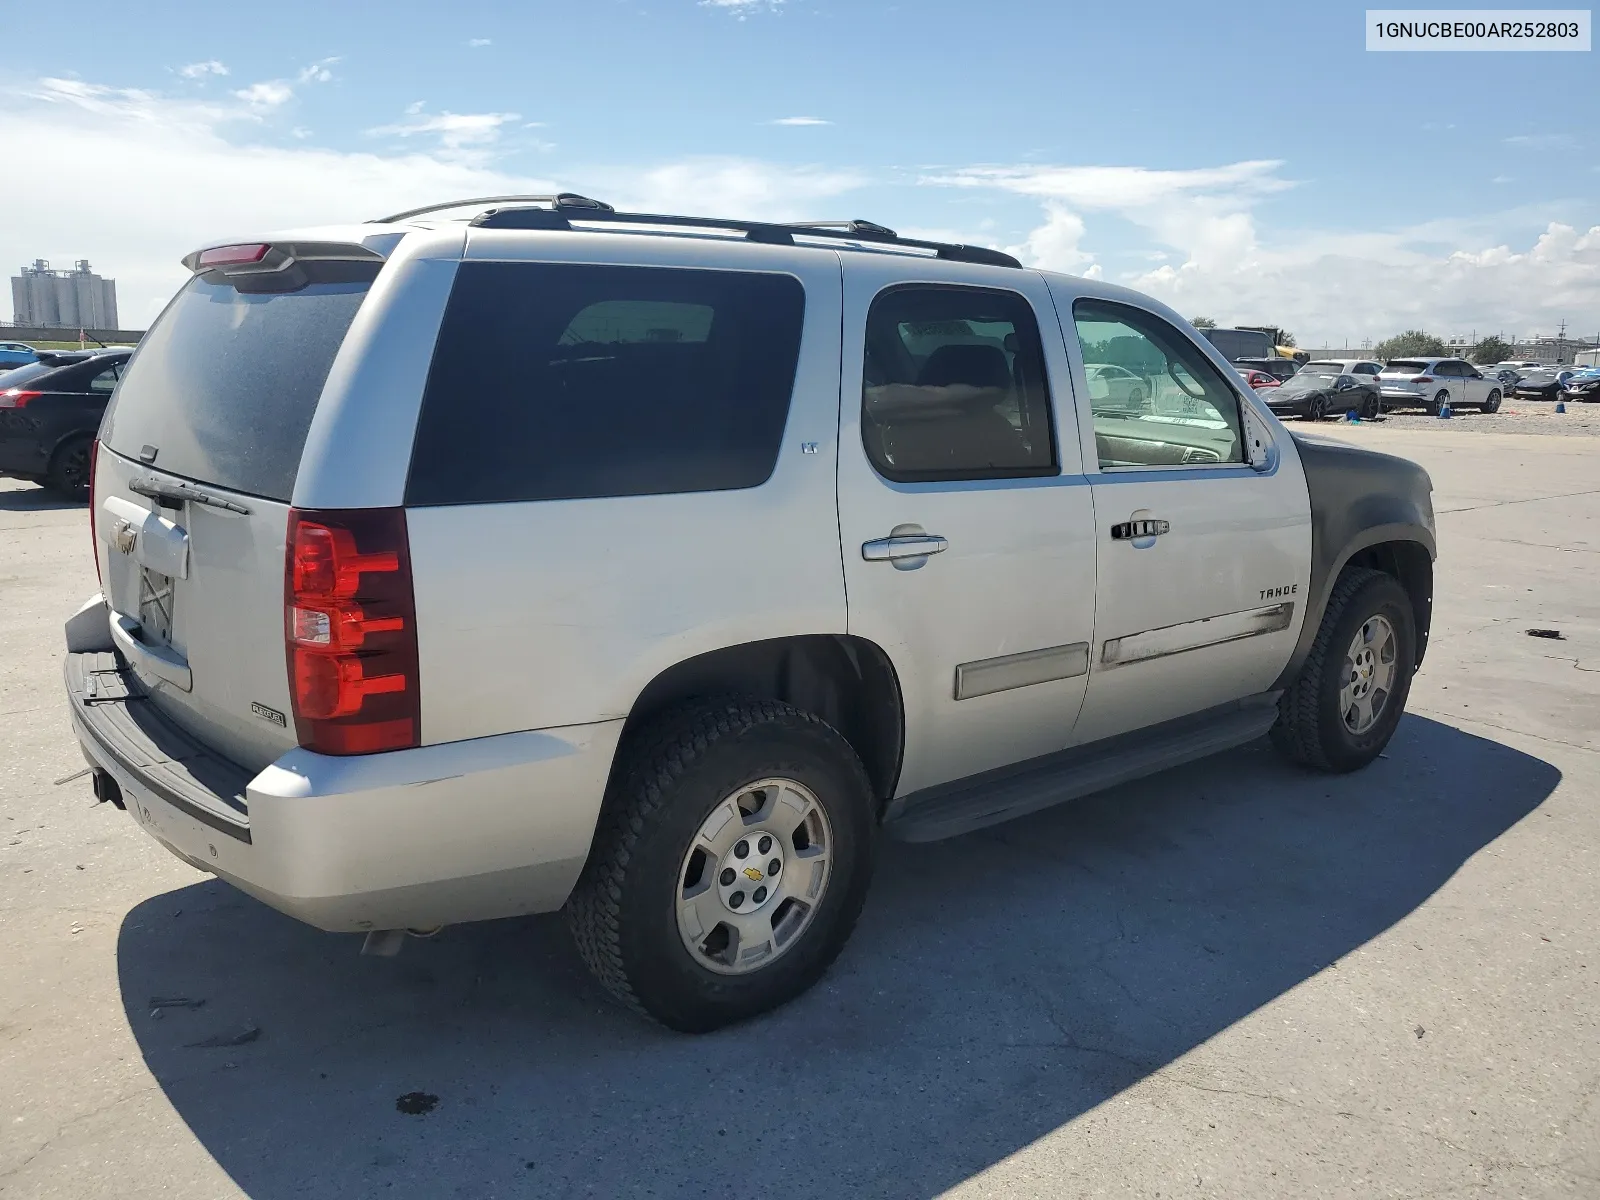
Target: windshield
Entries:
(226, 382)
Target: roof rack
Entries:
(560, 200)
(559, 211)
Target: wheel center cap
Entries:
(747, 876)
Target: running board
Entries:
(978, 801)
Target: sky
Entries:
(1247, 162)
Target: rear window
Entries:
(553, 381)
(1405, 368)
(226, 382)
(1322, 368)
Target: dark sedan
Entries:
(50, 411)
(1313, 394)
(1543, 384)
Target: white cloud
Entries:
(1327, 285)
(1542, 141)
(799, 121)
(476, 42)
(724, 187)
(269, 94)
(145, 141)
(743, 8)
(460, 135)
(199, 70)
(320, 71)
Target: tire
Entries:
(1492, 404)
(68, 475)
(1316, 409)
(1438, 403)
(1372, 409)
(1136, 401)
(1311, 728)
(667, 788)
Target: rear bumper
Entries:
(460, 831)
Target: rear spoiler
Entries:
(266, 258)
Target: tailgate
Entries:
(200, 449)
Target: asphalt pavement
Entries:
(1236, 979)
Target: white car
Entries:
(1114, 387)
(746, 544)
(1431, 383)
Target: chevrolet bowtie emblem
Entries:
(752, 874)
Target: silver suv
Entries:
(1431, 383)
(652, 567)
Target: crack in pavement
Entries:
(1457, 717)
(1526, 500)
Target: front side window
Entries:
(953, 386)
(555, 381)
(1186, 413)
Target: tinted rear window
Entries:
(1405, 368)
(226, 382)
(557, 382)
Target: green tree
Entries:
(1491, 350)
(1202, 322)
(1413, 343)
(1285, 338)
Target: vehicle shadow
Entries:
(32, 498)
(999, 985)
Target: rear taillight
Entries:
(351, 631)
(94, 539)
(17, 398)
(1422, 379)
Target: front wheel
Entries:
(1492, 404)
(1343, 707)
(731, 864)
(1316, 408)
(1136, 401)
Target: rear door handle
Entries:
(887, 549)
(1129, 531)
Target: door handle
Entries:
(1129, 531)
(887, 549)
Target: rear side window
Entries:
(225, 384)
(553, 381)
(953, 386)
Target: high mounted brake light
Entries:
(350, 631)
(231, 256)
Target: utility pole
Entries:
(1561, 341)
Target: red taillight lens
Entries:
(17, 398)
(1422, 379)
(350, 631)
(232, 256)
(94, 540)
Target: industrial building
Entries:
(75, 299)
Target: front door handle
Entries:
(918, 545)
(1133, 531)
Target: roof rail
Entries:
(561, 200)
(560, 215)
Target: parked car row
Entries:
(1335, 386)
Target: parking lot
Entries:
(1235, 979)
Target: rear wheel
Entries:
(69, 469)
(731, 865)
(1372, 407)
(1492, 404)
(1343, 707)
(1136, 400)
(1440, 399)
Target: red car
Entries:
(1259, 379)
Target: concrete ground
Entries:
(1234, 980)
